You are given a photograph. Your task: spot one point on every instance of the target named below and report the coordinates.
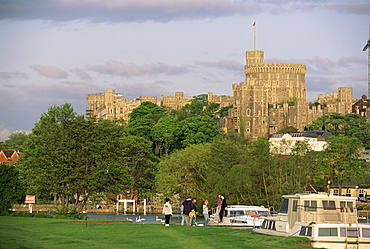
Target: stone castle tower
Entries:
(273, 96)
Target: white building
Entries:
(282, 143)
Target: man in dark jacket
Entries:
(188, 207)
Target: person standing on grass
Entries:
(167, 211)
(194, 219)
(218, 209)
(182, 214)
(188, 207)
(205, 212)
(223, 207)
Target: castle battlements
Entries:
(272, 97)
(275, 68)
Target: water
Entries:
(139, 218)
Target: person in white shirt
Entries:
(167, 211)
(205, 212)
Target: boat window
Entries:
(284, 206)
(346, 206)
(328, 205)
(236, 213)
(306, 231)
(328, 232)
(250, 212)
(366, 232)
(349, 232)
(310, 206)
(295, 204)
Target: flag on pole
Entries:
(254, 24)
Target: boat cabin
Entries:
(312, 208)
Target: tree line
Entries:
(177, 153)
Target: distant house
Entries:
(282, 143)
(360, 191)
(9, 156)
(362, 107)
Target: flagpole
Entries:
(254, 26)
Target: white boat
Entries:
(241, 215)
(328, 221)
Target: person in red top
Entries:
(218, 209)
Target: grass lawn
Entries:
(24, 232)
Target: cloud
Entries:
(50, 71)
(116, 68)
(121, 10)
(4, 132)
(357, 9)
(325, 65)
(230, 65)
(13, 75)
(158, 10)
(82, 74)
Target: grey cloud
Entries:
(325, 64)
(116, 68)
(156, 10)
(13, 75)
(358, 9)
(50, 71)
(82, 74)
(122, 10)
(347, 61)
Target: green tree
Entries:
(143, 118)
(72, 158)
(163, 134)
(229, 174)
(197, 129)
(199, 106)
(184, 172)
(224, 111)
(288, 129)
(141, 127)
(264, 172)
(147, 109)
(204, 170)
(351, 125)
(15, 141)
(141, 165)
(341, 161)
(11, 188)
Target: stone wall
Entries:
(111, 208)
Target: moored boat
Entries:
(241, 216)
(328, 221)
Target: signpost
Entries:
(30, 199)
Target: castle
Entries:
(272, 97)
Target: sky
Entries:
(57, 51)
